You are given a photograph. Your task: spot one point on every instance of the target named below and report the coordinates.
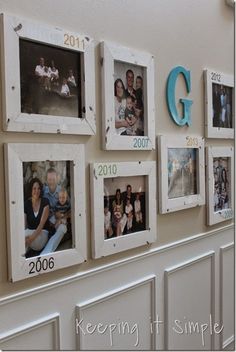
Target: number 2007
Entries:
(141, 142)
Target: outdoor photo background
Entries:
(38, 101)
(39, 169)
(182, 176)
(138, 184)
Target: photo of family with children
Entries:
(47, 207)
(222, 106)
(129, 99)
(221, 184)
(124, 206)
(50, 80)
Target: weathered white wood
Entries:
(226, 80)
(15, 155)
(167, 205)
(111, 141)
(224, 214)
(13, 29)
(102, 247)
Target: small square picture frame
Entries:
(219, 104)
(125, 174)
(117, 61)
(48, 77)
(220, 184)
(181, 171)
(19, 208)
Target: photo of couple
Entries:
(128, 100)
(124, 206)
(47, 207)
(50, 80)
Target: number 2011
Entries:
(71, 40)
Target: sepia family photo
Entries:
(50, 80)
(47, 207)
(221, 183)
(124, 206)
(222, 97)
(129, 99)
(182, 179)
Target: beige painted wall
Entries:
(196, 34)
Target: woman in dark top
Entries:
(36, 211)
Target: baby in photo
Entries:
(62, 209)
(130, 116)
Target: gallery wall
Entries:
(193, 34)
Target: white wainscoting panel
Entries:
(40, 334)
(189, 299)
(227, 294)
(124, 316)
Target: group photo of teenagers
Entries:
(47, 207)
(182, 179)
(221, 184)
(222, 97)
(128, 98)
(124, 206)
(50, 83)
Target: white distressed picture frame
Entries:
(104, 247)
(228, 213)
(166, 204)
(15, 155)
(13, 29)
(111, 52)
(214, 77)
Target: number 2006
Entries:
(39, 265)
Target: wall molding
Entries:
(223, 250)
(116, 263)
(180, 266)
(34, 325)
(81, 307)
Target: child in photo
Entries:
(137, 209)
(130, 116)
(129, 214)
(107, 222)
(65, 91)
(46, 76)
(62, 209)
(71, 79)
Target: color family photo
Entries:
(221, 183)
(47, 207)
(50, 80)
(124, 206)
(182, 179)
(222, 97)
(129, 89)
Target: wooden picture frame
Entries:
(134, 108)
(127, 222)
(219, 104)
(220, 184)
(48, 78)
(181, 172)
(26, 165)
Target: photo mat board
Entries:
(219, 104)
(46, 205)
(48, 78)
(181, 172)
(220, 188)
(128, 96)
(123, 206)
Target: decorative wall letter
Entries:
(186, 119)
